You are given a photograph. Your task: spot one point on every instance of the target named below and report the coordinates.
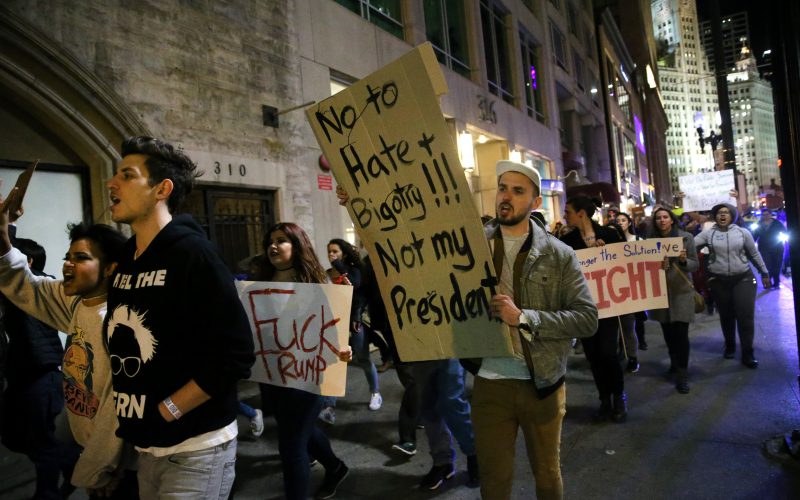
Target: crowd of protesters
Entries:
(156, 366)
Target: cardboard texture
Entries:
(703, 191)
(390, 148)
(627, 277)
(12, 204)
(297, 331)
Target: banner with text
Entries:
(627, 277)
(703, 191)
(297, 331)
(390, 148)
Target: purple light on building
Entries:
(533, 77)
(637, 126)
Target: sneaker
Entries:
(436, 476)
(375, 401)
(473, 480)
(408, 448)
(332, 481)
(633, 365)
(257, 424)
(328, 415)
(729, 354)
(750, 362)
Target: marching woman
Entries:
(633, 323)
(290, 258)
(675, 319)
(731, 249)
(601, 348)
(347, 270)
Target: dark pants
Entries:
(676, 336)
(773, 259)
(28, 426)
(298, 436)
(377, 340)
(411, 404)
(736, 302)
(445, 410)
(601, 352)
(641, 317)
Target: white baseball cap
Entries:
(528, 171)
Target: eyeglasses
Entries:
(129, 365)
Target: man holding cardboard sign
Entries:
(544, 298)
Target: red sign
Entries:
(325, 182)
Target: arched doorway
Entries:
(55, 109)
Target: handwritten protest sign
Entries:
(703, 191)
(389, 146)
(298, 329)
(627, 277)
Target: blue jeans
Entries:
(206, 474)
(445, 410)
(296, 414)
(246, 410)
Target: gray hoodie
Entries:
(730, 249)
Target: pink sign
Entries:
(325, 182)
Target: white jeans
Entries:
(206, 474)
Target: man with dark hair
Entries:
(176, 329)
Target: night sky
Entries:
(757, 17)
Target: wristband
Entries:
(172, 408)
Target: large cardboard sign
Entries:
(703, 191)
(627, 277)
(298, 329)
(389, 146)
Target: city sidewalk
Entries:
(704, 445)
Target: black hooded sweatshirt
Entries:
(174, 315)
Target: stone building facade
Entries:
(78, 76)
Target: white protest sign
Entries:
(298, 329)
(627, 277)
(703, 191)
(391, 149)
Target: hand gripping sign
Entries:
(390, 148)
(627, 277)
(298, 329)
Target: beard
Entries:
(512, 220)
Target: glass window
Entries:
(572, 19)
(495, 46)
(559, 46)
(530, 5)
(531, 70)
(446, 28)
(386, 14)
(580, 75)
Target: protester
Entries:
(347, 269)
(601, 348)
(34, 393)
(731, 281)
(543, 317)
(178, 329)
(631, 335)
(77, 305)
(675, 319)
(768, 234)
(291, 259)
